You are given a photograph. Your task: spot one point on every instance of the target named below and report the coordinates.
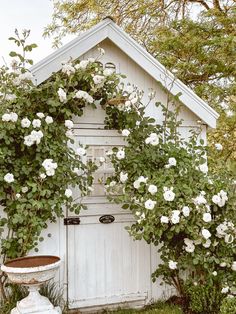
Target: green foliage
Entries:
(156, 308)
(204, 298)
(179, 205)
(39, 159)
(228, 306)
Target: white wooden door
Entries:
(105, 265)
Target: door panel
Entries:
(105, 265)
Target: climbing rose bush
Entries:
(39, 161)
(179, 205)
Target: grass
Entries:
(55, 295)
(157, 308)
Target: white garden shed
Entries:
(101, 265)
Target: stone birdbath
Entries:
(32, 272)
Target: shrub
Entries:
(228, 306)
(204, 298)
(179, 204)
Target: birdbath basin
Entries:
(32, 272)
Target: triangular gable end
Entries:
(108, 29)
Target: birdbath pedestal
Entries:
(32, 272)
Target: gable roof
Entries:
(108, 29)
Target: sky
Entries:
(25, 14)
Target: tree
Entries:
(193, 38)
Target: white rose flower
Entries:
(172, 265)
(9, 178)
(186, 211)
(214, 273)
(36, 123)
(82, 65)
(68, 69)
(172, 161)
(175, 216)
(120, 154)
(168, 194)
(206, 233)
(225, 290)
(27, 76)
(102, 159)
(152, 139)
(14, 116)
(123, 177)
(69, 124)
(69, 133)
(6, 117)
(18, 195)
(199, 200)
(139, 181)
(207, 244)
(40, 115)
(36, 136)
(62, 95)
(29, 140)
(190, 247)
(79, 94)
(49, 166)
(80, 151)
(152, 189)
(108, 72)
(150, 204)
(50, 172)
(10, 96)
(24, 189)
(42, 175)
(164, 220)
(218, 146)
(233, 267)
(223, 264)
(206, 217)
(98, 79)
(221, 230)
(125, 132)
(203, 168)
(49, 119)
(216, 199)
(25, 123)
(129, 89)
(136, 184)
(229, 113)
(68, 193)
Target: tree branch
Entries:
(202, 2)
(216, 4)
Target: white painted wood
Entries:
(108, 29)
(105, 265)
